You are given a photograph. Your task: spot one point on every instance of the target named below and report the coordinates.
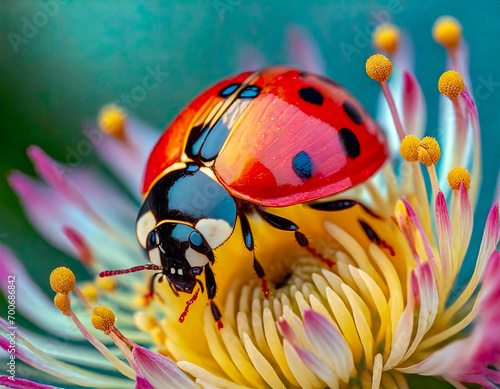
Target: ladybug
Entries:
(258, 140)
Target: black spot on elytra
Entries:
(350, 142)
(302, 165)
(351, 111)
(250, 91)
(311, 95)
(226, 91)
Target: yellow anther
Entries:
(90, 291)
(447, 31)
(140, 301)
(62, 280)
(112, 120)
(106, 283)
(458, 175)
(451, 84)
(378, 67)
(144, 321)
(61, 303)
(424, 157)
(386, 37)
(409, 148)
(429, 147)
(158, 336)
(103, 318)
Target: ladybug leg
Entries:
(211, 290)
(375, 238)
(287, 225)
(250, 245)
(340, 205)
(151, 292)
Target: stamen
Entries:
(61, 303)
(409, 148)
(103, 319)
(429, 153)
(65, 277)
(379, 68)
(188, 304)
(447, 32)
(386, 38)
(109, 273)
(456, 176)
(451, 84)
(112, 121)
(62, 280)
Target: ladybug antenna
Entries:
(109, 273)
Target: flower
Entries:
(385, 305)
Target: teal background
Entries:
(91, 52)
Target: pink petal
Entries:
(159, 371)
(19, 383)
(416, 223)
(30, 300)
(81, 246)
(304, 51)
(142, 383)
(49, 211)
(126, 159)
(250, 58)
(64, 371)
(287, 330)
(445, 235)
(53, 174)
(328, 342)
(414, 110)
(469, 359)
(491, 233)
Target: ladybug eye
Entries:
(198, 243)
(153, 240)
(195, 239)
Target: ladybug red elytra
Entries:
(270, 138)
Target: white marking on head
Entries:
(180, 272)
(215, 231)
(154, 256)
(172, 270)
(194, 258)
(145, 224)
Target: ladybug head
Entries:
(181, 252)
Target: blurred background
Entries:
(85, 54)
